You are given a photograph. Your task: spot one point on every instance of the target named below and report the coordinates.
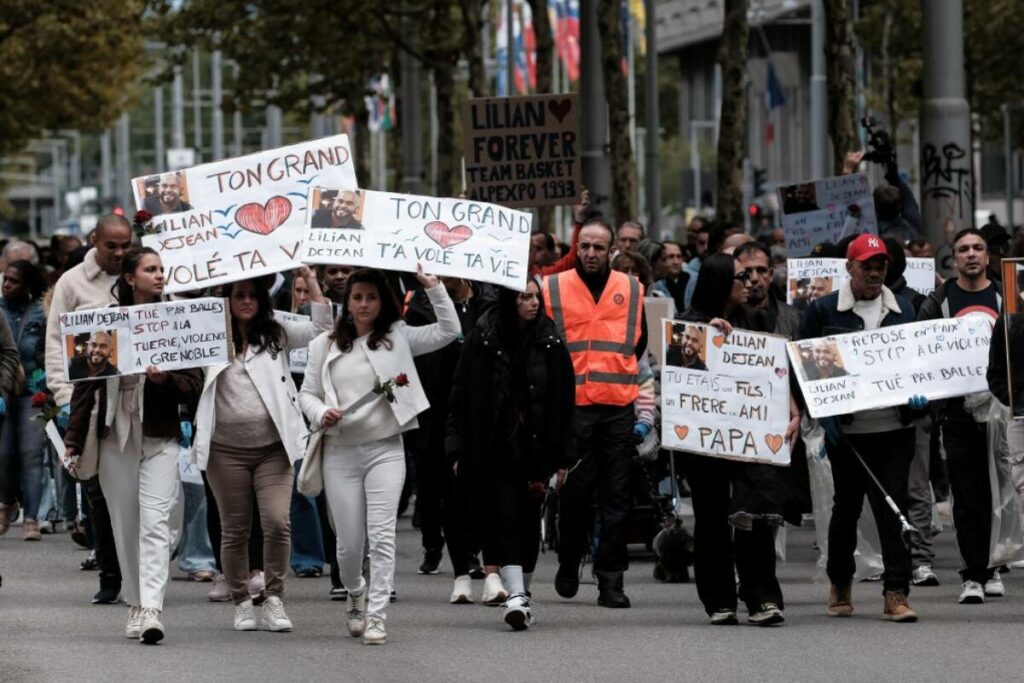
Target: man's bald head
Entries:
(733, 241)
(112, 237)
(111, 222)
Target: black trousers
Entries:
(102, 534)
(888, 455)
(604, 446)
(718, 547)
(967, 456)
(213, 530)
(509, 523)
(444, 505)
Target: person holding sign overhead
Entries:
(884, 438)
(736, 506)
(360, 393)
(131, 425)
(250, 432)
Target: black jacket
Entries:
(499, 402)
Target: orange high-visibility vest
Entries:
(601, 337)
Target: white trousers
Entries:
(363, 484)
(141, 488)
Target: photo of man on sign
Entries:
(167, 195)
(821, 360)
(93, 357)
(343, 211)
(686, 347)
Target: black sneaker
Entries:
(393, 597)
(89, 564)
(107, 596)
(431, 562)
(338, 593)
(567, 580)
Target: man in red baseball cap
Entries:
(884, 438)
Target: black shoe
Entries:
(107, 596)
(338, 593)
(476, 572)
(567, 580)
(79, 536)
(89, 564)
(610, 593)
(431, 562)
(393, 597)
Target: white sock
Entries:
(512, 577)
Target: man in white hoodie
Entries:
(89, 285)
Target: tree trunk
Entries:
(732, 56)
(473, 23)
(545, 77)
(623, 166)
(362, 147)
(444, 83)
(842, 81)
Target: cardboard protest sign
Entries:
(885, 367)
(523, 151)
(724, 396)
(657, 308)
(125, 340)
(455, 237)
(812, 278)
(296, 356)
(816, 211)
(239, 218)
(920, 274)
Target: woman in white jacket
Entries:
(250, 431)
(361, 392)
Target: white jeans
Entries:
(141, 488)
(363, 484)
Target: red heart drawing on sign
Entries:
(681, 431)
(559, 108)
(445, 236)
(774, 442)
(264, 219)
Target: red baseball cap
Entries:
(866, 247)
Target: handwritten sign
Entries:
(523, 151)
(885, 367)
(125, 340)
(816, 211)
(297, 355)
(920, 274)
(455, 237)
(239, 218)
(724, 396)
(813, 278)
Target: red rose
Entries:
(143, 216)
(39, 399)
(402, 380)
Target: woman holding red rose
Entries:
(360, 393)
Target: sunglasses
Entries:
(742, 276)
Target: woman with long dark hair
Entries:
(360, 393)
(509, 430)
(736, 506)
(22, 438)
(131, 424)
(250, 431)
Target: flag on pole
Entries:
(502, 85)
(774, 98)
(567, 36)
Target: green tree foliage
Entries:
(65, 64)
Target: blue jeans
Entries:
(194, 551)
(21, 450)
(307, 541)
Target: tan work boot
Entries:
(840, 601)
(897, 609)
(30, 530)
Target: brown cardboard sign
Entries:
(523, 151)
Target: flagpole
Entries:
(510, 67)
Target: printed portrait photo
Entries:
(164, 193)
(799, 198)
(92, 355)
(820, 359)
(805, 290)
(338, 209)
(686, 347)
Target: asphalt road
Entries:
(49, 631)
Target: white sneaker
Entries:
(494, 591)
(376, 633)
(1019, 564)
(134, 628)
(256, 584)
(517, 612)
(462, 593)
(994, 587)
(245, 617)
(355, 616)
(924, 576)
(274, 617)
(972, 593)
(152, 631)
(219, 592)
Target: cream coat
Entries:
(318, 394)
(273, 381)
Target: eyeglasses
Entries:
(742, 276)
